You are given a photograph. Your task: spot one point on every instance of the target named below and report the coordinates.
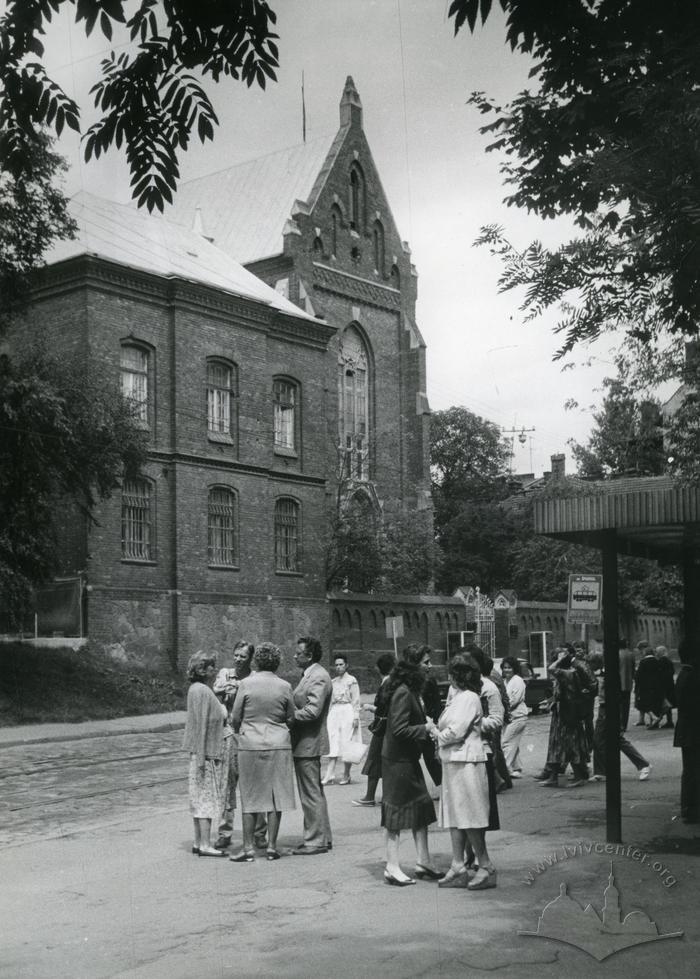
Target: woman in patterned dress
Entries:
(204, 739)
(343, 722)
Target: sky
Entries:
(414, 79)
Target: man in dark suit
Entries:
(628, 665)
(312, 698)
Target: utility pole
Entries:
(522, 438)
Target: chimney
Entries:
(350, 105)
(558, 461)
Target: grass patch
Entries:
(61, 684)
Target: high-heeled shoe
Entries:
(195, 849)
(455, 878)
(245, 856)
(209, 851)
(426, 873)
(273, 855)
(390, 879)
(483, 880)
(328, 781)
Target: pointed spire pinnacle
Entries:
(350, 105)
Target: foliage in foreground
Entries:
(149, 96)
(62, 437)
(608, 136)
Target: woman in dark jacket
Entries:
(406, 803)
(373, 764)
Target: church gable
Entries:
(347, 224)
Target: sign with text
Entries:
(585, 599)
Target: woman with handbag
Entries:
(343, 722)
(406, 803)
(373, 763)
(464, 793)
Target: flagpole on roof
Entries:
(303, 109)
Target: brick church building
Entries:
(265, 328)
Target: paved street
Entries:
(98, 880)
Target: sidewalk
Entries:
(21, 734)
(42, 733)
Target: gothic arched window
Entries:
(353, 404)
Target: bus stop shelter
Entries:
(653, 517)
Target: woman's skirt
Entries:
(464, 795)
(339, 725)
(266, 780)
(372, 767)
(207, 787)
(406, 803)
(568, 743)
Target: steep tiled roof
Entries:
(151, 243)
(244, 208)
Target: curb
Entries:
(84, 735)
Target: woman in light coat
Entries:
(263, 713)
(204, 739)
(464, 793)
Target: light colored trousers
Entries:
(510, 742)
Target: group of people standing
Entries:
(247, 728)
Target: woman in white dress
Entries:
(514, 730)
(464, 793)
(343, 720)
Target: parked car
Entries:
(538, 690)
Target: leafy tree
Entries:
(150, 99)
(627, 439)
(33, 214)
(609, 136)
(469, 460)
(62, 437)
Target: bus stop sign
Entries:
(585, 599)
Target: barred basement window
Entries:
(287, 549)
(220, 398)
(285, 399)
(137, 524)
(222, 546)
(134, 379)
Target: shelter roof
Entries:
(245, 208)
(151, 243)
(654, 516)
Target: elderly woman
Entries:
(263, 713)
(464, 792)
(343, 721)
(204, 739)
(406, 803)
(514, 730)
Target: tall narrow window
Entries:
(222, 549)
(353, 397)
(134, 378)
(287, 545)
(137, 523)
(378, 241)
(220, 398)
(357, 198)
(285, 396)
(335, 226)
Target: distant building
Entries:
(261, 388)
